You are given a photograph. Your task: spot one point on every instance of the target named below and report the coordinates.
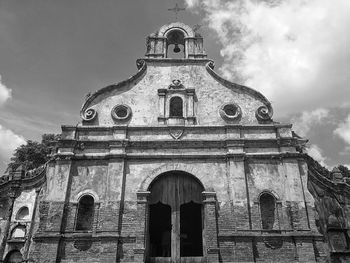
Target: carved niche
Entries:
(176, 104)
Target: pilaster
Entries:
(211, 243)
(142, 219)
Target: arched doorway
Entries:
(175, 218)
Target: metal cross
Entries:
(176, 9)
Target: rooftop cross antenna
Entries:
(176, 9)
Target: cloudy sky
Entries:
(53, 52)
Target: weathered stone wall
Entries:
(229, 179)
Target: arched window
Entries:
(85, 213)
(14, 257)
(176, 107)
(23, 213)
(176, 44)
(19, 232)
(267, 210)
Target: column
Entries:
(190, 106)
(210, 227)
(161, 105)
(141, 228)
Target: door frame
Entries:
(175, 231)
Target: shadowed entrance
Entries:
(175, 218)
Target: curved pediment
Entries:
(145, 98)
(149, 98)
(264, 113)
(88, 114)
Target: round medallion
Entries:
(121, 112)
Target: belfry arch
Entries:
(176, 222)
(176, 37)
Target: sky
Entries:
(296, 52)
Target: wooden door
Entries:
(174, 190)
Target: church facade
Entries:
(175, 164)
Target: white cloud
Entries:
(5, 92)
(306, 121)
(343, 131)
(303, 123)
(316, 152)
(296, 52)
(9, 141)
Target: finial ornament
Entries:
(176, 84)
(176, 9)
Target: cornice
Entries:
(181, 156)
(165, 127)
(183, 143)
(31, 179)
(317, 175)
(203, 61)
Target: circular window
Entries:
(121, 112)
(230, 111)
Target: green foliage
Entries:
(34, 154)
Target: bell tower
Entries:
(175, 38)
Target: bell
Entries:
(176, 48)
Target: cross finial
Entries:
(176, 9)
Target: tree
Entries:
(344, 170)
(34, 154)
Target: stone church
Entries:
(176, 164)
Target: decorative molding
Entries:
(256, 94)
(263, 113)
(176, 133)
(90, 192)
(140, 63)
(89, 114)
(176, 84)
(211, 65)
(209, 197)
(164, 30)
(142, 197)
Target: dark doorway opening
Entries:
(175, 218)
(14, 257)
(191, 230)
(160, 230)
